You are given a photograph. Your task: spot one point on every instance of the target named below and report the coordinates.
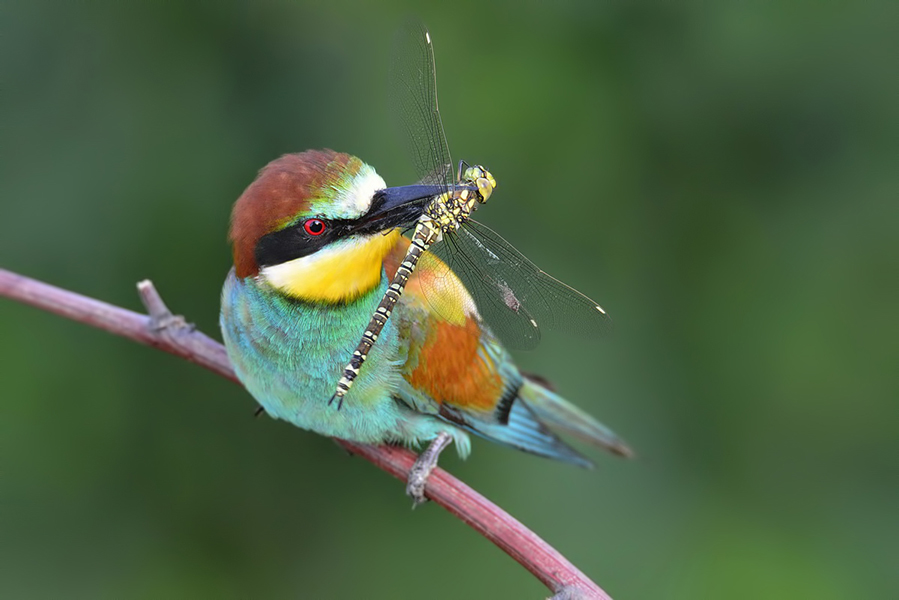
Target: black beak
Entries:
(399, 206)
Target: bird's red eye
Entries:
(314, 226)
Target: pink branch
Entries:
(170, 333)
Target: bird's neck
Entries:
(335, 275)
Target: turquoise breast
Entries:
(290, 354)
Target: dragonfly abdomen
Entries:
(426, 233)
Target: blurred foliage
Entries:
(721, 176)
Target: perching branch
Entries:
(168, 332)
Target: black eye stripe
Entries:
(295, 242)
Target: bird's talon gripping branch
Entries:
(569, 593)
(423, 466)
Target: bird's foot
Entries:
(424, 464)
(568, 593)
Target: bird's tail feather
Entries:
(524, 431)
(558, 413)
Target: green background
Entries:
(721, 177)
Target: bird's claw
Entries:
(415, 486)
(568, 593)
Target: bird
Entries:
(316, 238)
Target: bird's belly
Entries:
(290, 355)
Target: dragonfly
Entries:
(514, 296)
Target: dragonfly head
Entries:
(483, 179)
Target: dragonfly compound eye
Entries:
(485, 188)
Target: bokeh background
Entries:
(722, 177)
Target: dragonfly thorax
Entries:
(451, 210)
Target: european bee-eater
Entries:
(315, 241)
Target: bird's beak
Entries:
(399, 206)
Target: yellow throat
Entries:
(339, 273)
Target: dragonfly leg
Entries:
(462, 166)
(424, 464)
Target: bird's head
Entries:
(317, 225)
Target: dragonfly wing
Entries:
(514, 296)
(413, 99)
(496, 301)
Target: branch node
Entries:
(161, 318)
